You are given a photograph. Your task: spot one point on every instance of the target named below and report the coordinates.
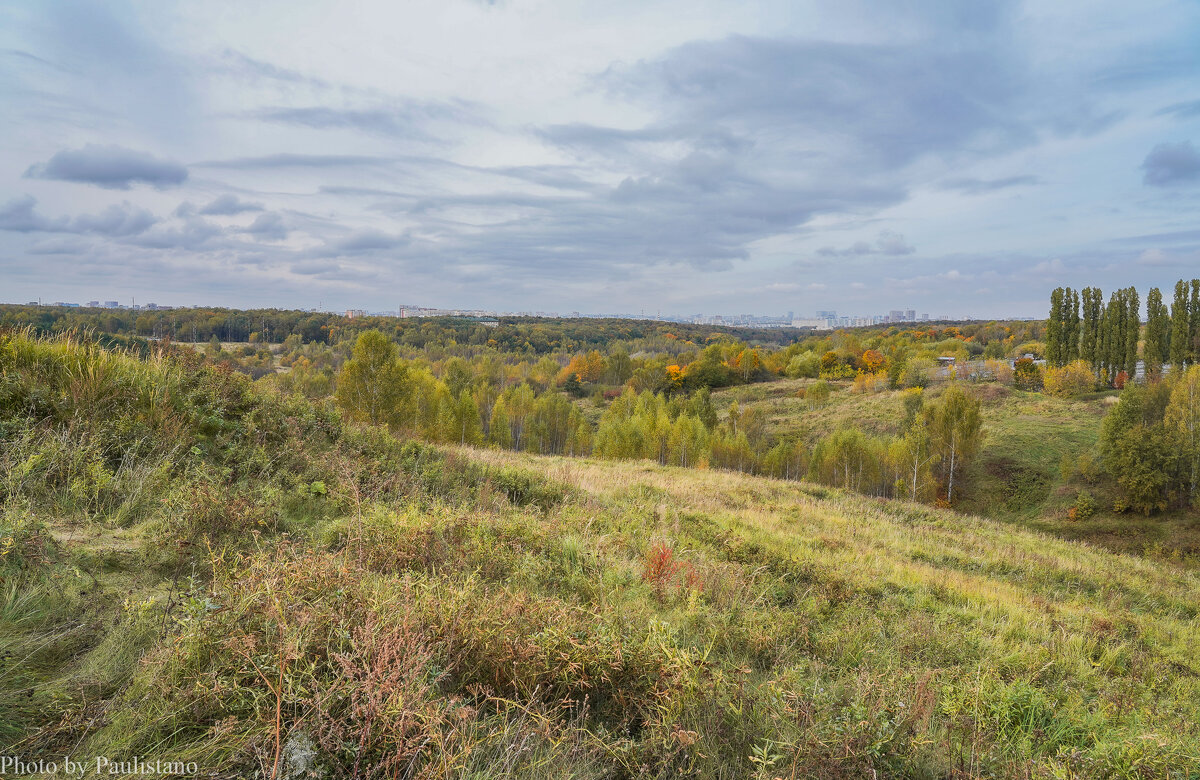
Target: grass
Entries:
(1026, 473)
(789, 416)
(199, 570)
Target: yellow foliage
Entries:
(1072, 379)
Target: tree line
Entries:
(923, 463)
(1105, 337)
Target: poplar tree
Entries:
(1112, 331)
(1158, 327)
(1054, 329)
(1071, 326)
(1133, 327)
(1089, 341)
(1193, 346)
(1180, 327)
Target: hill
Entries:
(198, 569)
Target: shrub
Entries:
(1083, 508)
(805, 365)
(1073, 379)
(1027, 375)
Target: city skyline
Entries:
(826, 319)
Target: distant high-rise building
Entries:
(93, 304)
(895, 315)
(826, 315)
(112, 304)
(910, 315)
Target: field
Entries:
(196, 569)
(1027, 471)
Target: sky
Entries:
(959, 158)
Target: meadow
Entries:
(198, 568)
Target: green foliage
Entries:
(1137, 449)
(373, 386)
(955, 433)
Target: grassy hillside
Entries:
(1038, 454)
(195, 569)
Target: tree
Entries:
(955, 431)
(1136, 449)
(1027, 375)
(748, 363)
(1089, 338)
(458, 418)
(1194, 323)
(687, 443)
(573, 386)
(912, 454)
(1071, 325)
(806, 364)
(1158, 332)
(500, 428)
(817, 394)
(1133, 326)
(873, 361)
(372, 385)
(457, 375)
(1180, 342)
(1182, 421)
(1055, 348)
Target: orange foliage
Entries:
(873, 360)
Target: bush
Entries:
(1083, 508)
(806, 365)
(1027, 375)
(1073, 379)
(917, 373)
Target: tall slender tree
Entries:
(1158, 331)
(1180, 327)
(1071, 326)
(1193, 346)
(1054, 329)
(1089, 341)
(1133, 329)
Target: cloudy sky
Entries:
(720, 157)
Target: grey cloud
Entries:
(1169, 164)
(286, 160)
(405, 118)
(115, 221)
(196, 234)
(111, 167)
(269, 226)
(236, 63)
(974, 186)
(888, 243)
(1185, 110)
(60, 246)
(894, 102)
(228, 205)
(20, 215)
(367, 241)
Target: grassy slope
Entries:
(484, 614)
(1017, 476)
